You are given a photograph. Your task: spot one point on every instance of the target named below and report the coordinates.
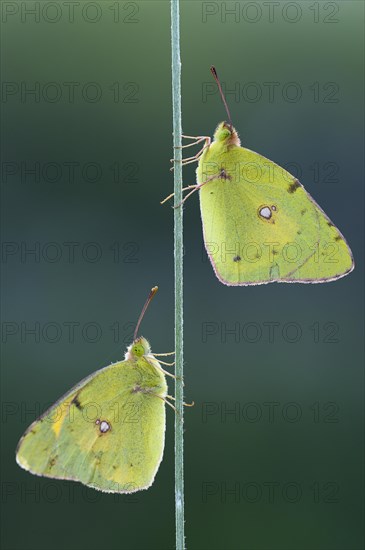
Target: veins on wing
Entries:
(313, 253)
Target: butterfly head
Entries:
(138, 348)
(225, 133)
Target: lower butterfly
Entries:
(108, 431)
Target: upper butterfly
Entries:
(108, 432)
(259, 223)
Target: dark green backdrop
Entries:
(282, 471)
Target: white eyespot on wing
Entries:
(104, 426)
(265, 212)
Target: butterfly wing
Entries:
(107, 432)
(261, 226)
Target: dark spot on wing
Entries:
(98, 457)
(224, 176)
(299, 232)
(211, 193)
(338, 238)
(293, 186)
(275, 252)
(76, 402)
(330, 224)
(237, 259)
(53, 461)
(303, 211)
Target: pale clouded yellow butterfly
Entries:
(108, 432)
(259, 223)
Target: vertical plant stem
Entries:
(178, 255)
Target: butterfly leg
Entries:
(196, 187)
(198, 139)
(194, 137)
(168, 402)
(199, 153)
(157, 365)
(186, 404)
(164, 354)
(172, 194)
(171, 375)
(193, 187)
(196, 157)
(167, 364)
(163, 399)
(166, 372)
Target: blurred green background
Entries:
(284, 470)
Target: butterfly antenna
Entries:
(216, 78)
(148, 301)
